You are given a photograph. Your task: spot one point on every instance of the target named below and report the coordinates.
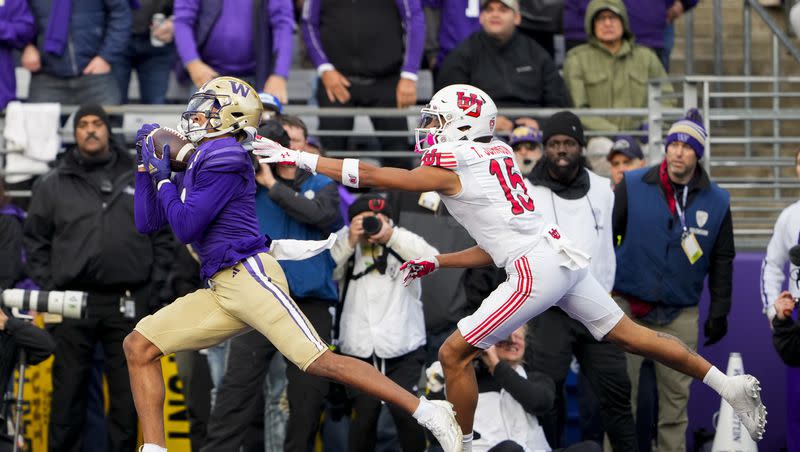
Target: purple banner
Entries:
(750, 335)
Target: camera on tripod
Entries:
(70, 304)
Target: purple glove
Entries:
(140, 135)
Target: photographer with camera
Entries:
(786, 333)
(17, 335)
(80, 235)
(380, 319)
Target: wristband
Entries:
(307, 161)
(350, 172)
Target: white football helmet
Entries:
(456, 112)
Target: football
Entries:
(180, 148)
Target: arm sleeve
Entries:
(10, 250)
(38, 235)
(772, 275)
(414, 26)
(455, 67)
(38, 344)
(574, 78)
(282, 21)
(536, 394)
(786, 338)
(309, 24)
(119, 21)
(19, 28)
(184, 22)
(619, 217)
(211, 192)
(147, 211)
(555, 93)
(409, 245)
(341, 252)
(720, 273)
(321, 212)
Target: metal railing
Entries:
(753, 163)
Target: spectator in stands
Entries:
(527, 145)
(784, 237)
(580, 202)
(786, 334)
(17, 28)
(625, 155)
(77, 46)
(272, 108)
(294, 204)
(150, 51)
(382, 321)
(509, 66)
(511, 397)
(689, 238)
(80, 235)
(648, 21)
(367, 54)
(610, 71)
(11, 219)
(256, 46)
(451, 21)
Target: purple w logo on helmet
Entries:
(239, 88)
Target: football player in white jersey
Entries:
(482, 187)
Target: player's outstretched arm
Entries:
(354, 173)
(469, 258)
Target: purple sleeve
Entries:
(310, 28)
(184, 22)
(434, 4)
(282, 21)
(147, 212)
(414, 25)
(19, 29)
(210, 193)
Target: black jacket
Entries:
(536, 394)
(519, 73)
(10, 247)
(720, 272)
(786, 338)
(80, 232)
(36, 342)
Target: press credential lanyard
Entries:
(688, 240)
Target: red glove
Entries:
(417, 268)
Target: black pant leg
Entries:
(605, 367)
(306, 393)
(238, 396)
(549, 350)
(121, 421)
(507, 446)
(196, 384)
(75, 341)
(383, 93)
(333, 143)
(406, 372)
(363, 423)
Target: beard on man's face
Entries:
(562, 171)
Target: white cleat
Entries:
(743, 393)
(444, 427)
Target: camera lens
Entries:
(372, 225)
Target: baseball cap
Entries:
(524, 134)
(513, 4)
(627, 146)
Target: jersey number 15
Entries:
(523, 201)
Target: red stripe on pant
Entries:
(514, 302)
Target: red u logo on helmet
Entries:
(376, 205)
(470, 104)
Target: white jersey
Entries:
(494, 205)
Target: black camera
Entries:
(372, 225)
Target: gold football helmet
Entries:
(223, 105)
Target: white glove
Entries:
(417, 268)
(435, 376)
(275, 153)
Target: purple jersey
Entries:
(212, 206)
(458, 19)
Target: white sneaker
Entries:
(444, 427)
(743, 393)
